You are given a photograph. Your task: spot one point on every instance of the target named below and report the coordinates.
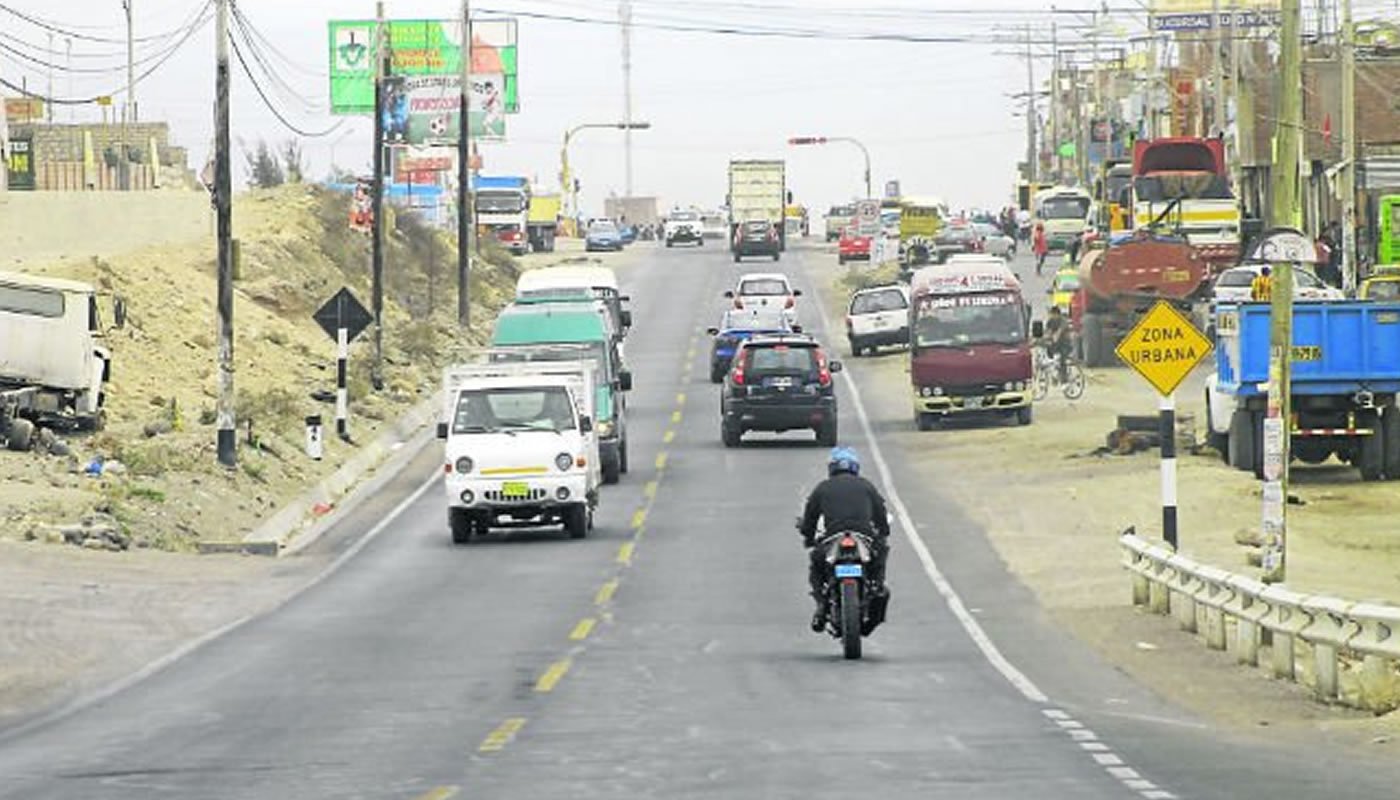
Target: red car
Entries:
(852, 246)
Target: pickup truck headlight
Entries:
(464, 465)
(606, 428)
(563, 461)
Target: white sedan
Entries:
(1235, 285)
(994, 242)
(758, 290)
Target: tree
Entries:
(264, 172)
(292, 162)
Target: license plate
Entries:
(881, 322)
(781, 383)
(848, 570)
(972, 402)
(515, 489)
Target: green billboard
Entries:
(418, 47)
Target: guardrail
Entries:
(1348, 652)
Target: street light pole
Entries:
(566, 182)
(803, 140)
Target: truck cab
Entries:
(503, 211)
(969, 343)
(519, 446)
(52, 366)
(1181, 185)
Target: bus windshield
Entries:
(968, 319)
(1064, 207)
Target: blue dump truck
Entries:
(1346, 378)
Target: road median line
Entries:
(504, 733)
(553, 675)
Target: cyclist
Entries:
(1057, 341)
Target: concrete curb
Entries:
(295, 526)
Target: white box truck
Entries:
(520, 449)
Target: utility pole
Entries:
(464, 176)
(381, 67)
(1217, 74)
(1283, 213)
(624, 13)
(1347, 182)
(1081, 150)
(130, 63)
(223, 211)
(1031, 155)
(49, 101)
(1055, 102)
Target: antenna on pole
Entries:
(624, 14)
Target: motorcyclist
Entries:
(846, 502)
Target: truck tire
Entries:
(1370, 450)
(461, 524)
(612, 470)
(1390, 440)
(1091, 334)
(21, 435)
(1219, 442)
(1240, 446)
(576, 521)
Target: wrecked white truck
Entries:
(52, 368)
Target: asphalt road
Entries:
(665, 656)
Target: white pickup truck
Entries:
(52, 368)
(520, 449)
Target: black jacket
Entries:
(846, 502)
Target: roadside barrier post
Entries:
(1166, 431)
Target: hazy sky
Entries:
(937, 116)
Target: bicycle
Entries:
(1047, 376)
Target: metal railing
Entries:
(1348, 652)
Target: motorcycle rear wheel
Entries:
(850, 619)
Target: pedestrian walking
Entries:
(1040, 247)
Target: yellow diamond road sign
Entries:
(1163, 347)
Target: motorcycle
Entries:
(852, 609)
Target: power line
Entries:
(57, 28)
(273, 108)
(286, 90)
(175, 48)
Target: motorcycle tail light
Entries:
(848, 541)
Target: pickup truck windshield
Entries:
(961, 320)
(535, 408)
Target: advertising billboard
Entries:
(419, 48)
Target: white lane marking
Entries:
(979, 636)
(185, 649)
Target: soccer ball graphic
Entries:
(437, 126)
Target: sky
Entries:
(940, 117)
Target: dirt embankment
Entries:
(160, 485)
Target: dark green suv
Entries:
(779, 382)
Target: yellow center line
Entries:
(690, 354)
(650, 489)
(583, 628)
(661, 460)
(502, 736)
(439, 793)
(680, 399)
(624, 553)
(675, 417)
(639, 518)
(553, 675)
(605, 593)
(668, 437)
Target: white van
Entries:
(520, 448)
(567, 283)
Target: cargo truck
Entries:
(1182, 185)
(1346, 376)
(757, 191)
(1122, 277)
(52, 368)
(543, 222)
(502, 206)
